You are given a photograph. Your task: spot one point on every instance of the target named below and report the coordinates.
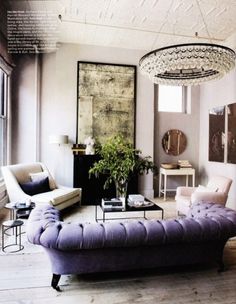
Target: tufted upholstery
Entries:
(206, 221)
(116, 246)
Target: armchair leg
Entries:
(55, 280)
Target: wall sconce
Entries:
(59, 139)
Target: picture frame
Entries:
(231, 133)
(222, 134)
(106, 101)
(217, 134)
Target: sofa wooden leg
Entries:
(55, 280)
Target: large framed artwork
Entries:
(231, 133)
(222, 134)
(217, 134)
(106, 101)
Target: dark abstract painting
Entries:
(217, 134)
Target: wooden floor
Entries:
(25, 279)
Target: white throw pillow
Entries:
(201, 188)
(36, 177)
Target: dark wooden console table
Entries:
(92, 188)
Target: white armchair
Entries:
(216, 191)
(58, 196)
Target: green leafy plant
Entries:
(119, 161)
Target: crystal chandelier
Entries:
(187, 64)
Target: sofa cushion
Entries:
(32, 188)
(56, 196)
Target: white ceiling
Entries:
(141, 24)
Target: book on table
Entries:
(112, 204)
(136, 198)
(184, 164)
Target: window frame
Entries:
(184, 101)
(4, 103)
(5, 116)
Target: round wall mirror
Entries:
(174, 142)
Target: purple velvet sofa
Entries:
(76, 248)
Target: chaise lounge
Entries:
(33, 182)
(77, 248)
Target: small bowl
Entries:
(170, 166)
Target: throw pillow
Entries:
(32, 188)
(42, 175)
(201, 188)
(35, 177)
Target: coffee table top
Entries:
(128, 207)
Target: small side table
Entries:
(15, 225)
(18, 210)
(164, 173)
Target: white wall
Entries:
(189, 125)
(24, 105)
(58, 108)
(213, 94)
(58, 113)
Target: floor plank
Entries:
(25, 279)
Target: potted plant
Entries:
(119, 161)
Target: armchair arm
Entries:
(185, 191)
(61, 187)
(215, 197)
(66, 187)
(69, 188)
(14, 190)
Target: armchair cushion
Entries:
(57, 196)
(36, 187)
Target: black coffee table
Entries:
(127, 209)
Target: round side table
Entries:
(15, 225)
(19, 210)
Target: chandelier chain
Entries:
(165, 20)
(204, 21)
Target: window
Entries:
(172, 99)
(3, 116)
